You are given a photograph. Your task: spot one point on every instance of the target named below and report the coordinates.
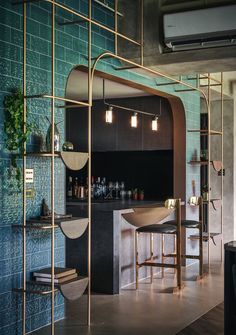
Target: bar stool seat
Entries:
(158, 228)
(184, 223)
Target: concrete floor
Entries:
(146, 311)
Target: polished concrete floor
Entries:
(149, 310)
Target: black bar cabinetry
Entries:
(230, 289)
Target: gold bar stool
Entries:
(192, 224)
(175, 229)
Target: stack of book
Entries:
(61, 275)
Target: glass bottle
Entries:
(70, 188)
(75, 188)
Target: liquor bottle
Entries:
(103, 188)
(92, 187)
(117, 190)
(98, 188)
(70, 188)
(75, 188)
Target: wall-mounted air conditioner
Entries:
(203, 28)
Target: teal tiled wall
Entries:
(70, 49)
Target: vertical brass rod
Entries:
(209, 167)
(175, 259)
(151, 255)
(162, 254)
(90, 99)
(52, 166)
(178, 220)
(222, 158)
(200, 237)
(116, 27)
(141, 31)
(24, 170)
(136, 258)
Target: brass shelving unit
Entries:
(126, 65)
(218, 166)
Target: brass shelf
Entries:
(47, 96)
(73, 160)
(42, 154)
(193, 162)
(216, 203)
(205, 236)
(29, 290)
(72, 228)
(217, 165)
(205, 132)
(71, 290)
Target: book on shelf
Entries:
(58, 272)
(56, 281)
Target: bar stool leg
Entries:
(162, 254)
(136, 259)
(175, 259)
(151, 256)
(179, 274)
(200, 251)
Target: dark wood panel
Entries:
(119, 135)
(77, 128)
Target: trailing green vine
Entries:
(14, 128)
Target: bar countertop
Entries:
(111, 205)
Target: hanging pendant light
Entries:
(155, 124)
(109, 114)
(134, 120)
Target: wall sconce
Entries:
(155, 123)
(134, 120)
(109, 112)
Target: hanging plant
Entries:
(14, 129)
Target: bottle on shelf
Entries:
(104, 187)
(70, 188)
(75, 188)
(92, 187)
(117, 190)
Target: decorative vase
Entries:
(56, 138)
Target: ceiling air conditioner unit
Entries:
(203, 28)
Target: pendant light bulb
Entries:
(134, 120)
(155, 124)
(109, 115)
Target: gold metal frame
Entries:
(171, 204)
(195, 202)
(53, 154)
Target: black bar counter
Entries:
(112, 244)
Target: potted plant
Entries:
(135, 194)
(141, 195)
(14, 125)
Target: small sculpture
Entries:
(68, 146)
(45, 211)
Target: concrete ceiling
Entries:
(215, 59)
